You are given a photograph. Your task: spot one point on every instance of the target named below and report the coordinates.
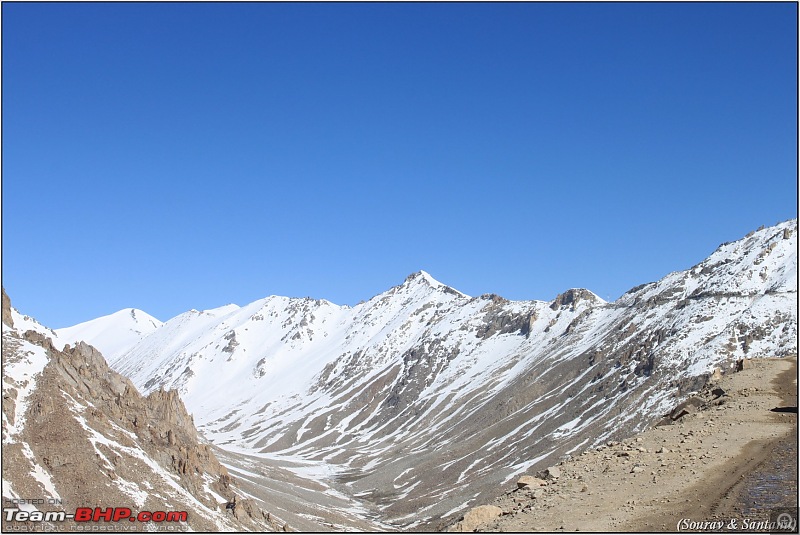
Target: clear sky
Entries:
(172, 156)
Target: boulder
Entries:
(530, 482)
(478, 516)
(691, 405)
(553, 472)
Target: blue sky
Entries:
(177, 156)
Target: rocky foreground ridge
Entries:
(78, 434)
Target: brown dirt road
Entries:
(761, 478)
(737, 459)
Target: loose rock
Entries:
(530, 482)
(477, 516)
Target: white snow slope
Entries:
(113, 334)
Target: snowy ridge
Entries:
(23, 323)
(423, 397)
(112, 334)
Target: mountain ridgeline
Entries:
(423, 401)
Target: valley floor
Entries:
(735, 460)
(295, 496)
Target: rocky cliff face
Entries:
(7, 319)
(77, 434)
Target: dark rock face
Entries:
(7, 319)
(497, 320)
(572, 297)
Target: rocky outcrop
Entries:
(572, 297)
(82, 434)
(232, 343)
(497, 319)
(7, 319)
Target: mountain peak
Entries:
(423, 278)
(572, 296)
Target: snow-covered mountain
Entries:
(113, 334)
(420, 401)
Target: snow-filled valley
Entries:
(422, 401)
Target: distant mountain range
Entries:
(423, 400)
